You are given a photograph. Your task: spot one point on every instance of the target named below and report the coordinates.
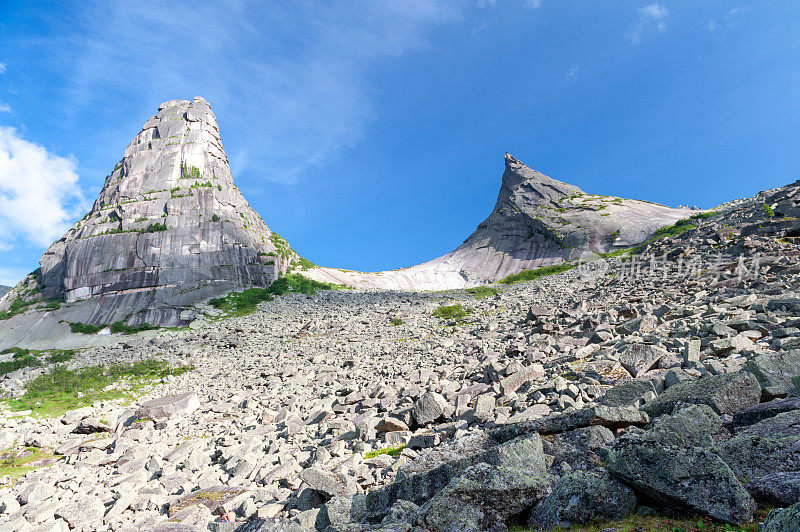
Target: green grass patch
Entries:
(530, 275)
(306, 264)
(452, 312)
(243, 303)
(59, 356)
(703, 215)
(479, 292)
(15, 463)
(18, 306)
(393, 450)
(21, 360)
(64, 389)
(396, 321)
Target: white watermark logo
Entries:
(716, 268)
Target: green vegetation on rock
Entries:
(393, 450)
(64, 389)
(242, 303)
(455, 312)
(529, 275)
(479, 292)
(116, 327)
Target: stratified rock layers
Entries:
(168, 228)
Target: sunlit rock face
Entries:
(169, 226)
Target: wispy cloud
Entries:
(294, 76)
(722, 25)
(652, 17)
(39, 192)
(5, 108)
(533, 4)
(2, 68)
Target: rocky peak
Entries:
(521, 181)
(168, 228)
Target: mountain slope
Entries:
(536, 221)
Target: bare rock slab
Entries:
(169, 406)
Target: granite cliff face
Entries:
(169, 228)
(536, 221)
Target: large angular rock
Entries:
(762, 411)
(770, 446)
(687, 476)
(608, 416)
(627, 393)
(639, 358)
(168, 407)
(483, 496)
(326, 483)
(582, 497)
(695, 425)
(782, 520)
(428, 408)
(774, 371)
(780, 488)
(726, 394)
(423, 478)
(82, 513)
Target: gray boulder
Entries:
(168, 406)
(726, 394)
(773, 445)
(774, 371)
(422, 479)
(640, 358)
(627, 393)
(762, 411)
(582, 497)
(781, 488)
(691, 477)
(428, 408)
(695, 425)
(782, 520)
(483, 496)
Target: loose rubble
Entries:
(556, 402)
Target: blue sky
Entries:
(371, 134)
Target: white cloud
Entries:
(652, 17)
(5, 108)
(2, 68)
(533, 4)
(295, 77)
(39, 192)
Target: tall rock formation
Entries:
(536, 221)
(169, 227)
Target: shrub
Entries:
(86, 328)
(769, 211)
(154, 228)
(396, 321)
(215, 218)
(63, 389)
(18, 306)
(452, 312)
(19, 362)
(479, 292)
